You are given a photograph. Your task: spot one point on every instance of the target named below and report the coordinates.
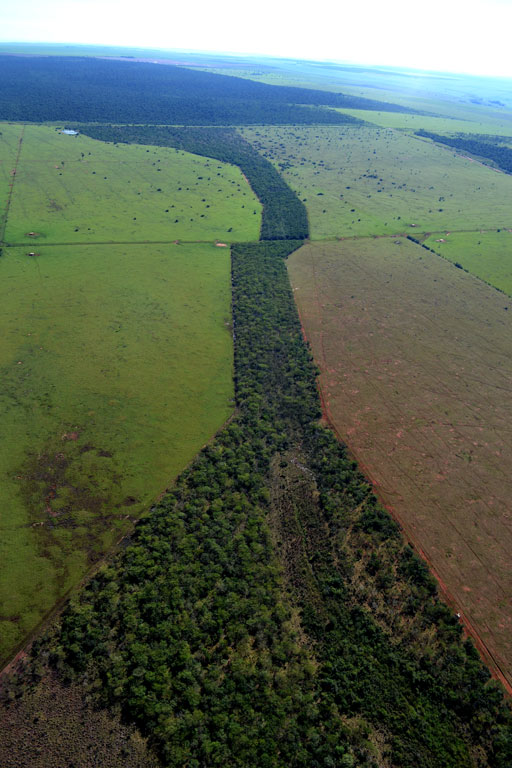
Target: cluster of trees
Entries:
(284, 215)
(58, 88)
(488, 147)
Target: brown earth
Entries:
(54, 725)
(416, 377)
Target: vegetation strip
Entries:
(492, 148)
(11, 188)
(350, 660)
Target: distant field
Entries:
(488, 255)
(116, 367)
(73, 189)
(371, 181)
(416, 374)
(403, 121)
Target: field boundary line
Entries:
(110, 242)
(3, 225)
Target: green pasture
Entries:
(444, 125)
(72, 189)
(376, 181)
(116, 366)
(487, 255)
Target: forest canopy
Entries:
(40, 89)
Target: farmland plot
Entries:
(486, 254)
(376, 181)
(116, 365)
(72, 189)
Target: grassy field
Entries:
(376, 181)
(116, 366)
(72, 189)
(486, 254)
(413, 123)
(416, 375)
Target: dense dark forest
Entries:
(284, 215)
(488, 147)
(39, 89)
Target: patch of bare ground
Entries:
(52, 725)
(416, 376)
(294, 496)
(301, 537)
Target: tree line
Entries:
(488, 147)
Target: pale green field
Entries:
(412, 123)
(375, 181)
(9, 138)
(116, 366)
(487, 255)
(74, 189)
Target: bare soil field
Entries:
(416, 376)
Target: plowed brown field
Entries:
(416, 377)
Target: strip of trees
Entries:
(487, 147)
(194, 632)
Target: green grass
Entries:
(116, 365)
(487, 255)
(376, 181)
(72, 189)
(412, 123)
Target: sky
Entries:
(471, 36)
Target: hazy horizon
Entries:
(450, 37)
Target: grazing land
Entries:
(486, 254)
(117, 367)
(73, 189)
(445, 124)
(416, 375)
(375, 181)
